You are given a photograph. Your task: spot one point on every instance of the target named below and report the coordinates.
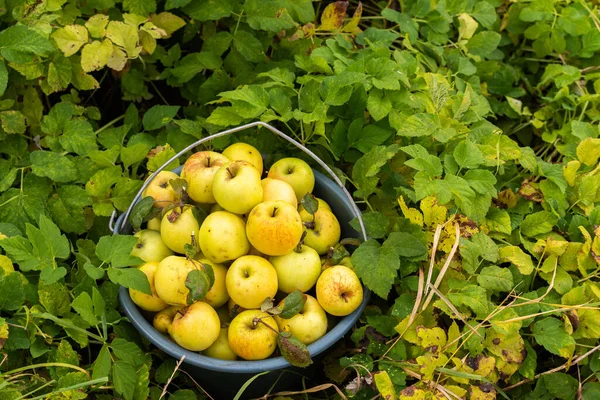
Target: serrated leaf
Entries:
(333, 16)
(495, 278)
(207, 10)
(310, 204)
(159, 116)
(168, 22)
(538, 223)
(483, 43)
(518, 257)
(102, 364)
(248, 46)
(549, 332)
(95, 55)
(588, 151)
(127, 351)
(84, 307)
(125, 36)
(131, 278)
(198, 284)
(96, 25)
(468, 155)
(294, 351)
(293, 304)
(124, 379)
(53, 165)
(20, 38)
(366, 168)
(70, 38)
(140, 210)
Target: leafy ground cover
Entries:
(467, 131)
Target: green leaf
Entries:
(468, 155)
(273, 16)
(518, 257)
(376, 224)
(549, 332)
(130, 278)
(485, 14)
(538, 223)
(591, 391)
(55, 298)
(482, 44)
(124, 192)
(102, 364)
(159, 116)
(378, 104)
(12, 291)
(309, 203)
(406, 245)
(127, 351)
(417, 125)
(482, 181)
(19, 38)
(208, 10)
(560, 385)
(141, 209)
(142, 390)
(496, 279)
(116, 250)
(70, 38)
(52, 165)
(140, 7)
(248, 46)
(365, 170)
(473, 297)
(293, 304)
(198, 284)
(79, 137)
(176, 4)
(294, 351)
(13, 122)
(124, 379)
(3, 78)
(84, 307)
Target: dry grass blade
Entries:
(440, 277)
(164, 391)
(197, 384)
(436, 241)
(314, 389)
(453, 309)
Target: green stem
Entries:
(72, 387)
(45, 365)
(111, 123)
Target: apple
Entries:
(308, 325)
(198, 171)
(222, 237)
(339, 290)
(145, 301)
(163, 319)
(274, 189)
(160, 189)
(196, 327)
(296, 172)
(177, 228)
(217, 295)
(297, 270)
(237, 187)
(250, 280)
(250, 339)
(170, 277)
(322, 205)
(154, 223)
(274, 227)
(150, 246)
(220, 348)
(246, 152)
(323, 230)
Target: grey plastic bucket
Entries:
(222, 379)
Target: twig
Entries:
(201, 388)
(164, 391)
(436, 240)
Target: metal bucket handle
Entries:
(276, 131)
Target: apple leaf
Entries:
(292, 304)
(139, 212)
(268, 307)
(294, 351)
(199, 214)
(179, 185)
(310, 203)
(338, 253)
(190, 249)
(199, 283)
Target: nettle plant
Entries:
(467, 131)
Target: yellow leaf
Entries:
(96, 25)
(352, 25)
(167, 22)
(518, 257)
(6, 264)
(433, 339)
(428, 362)
(453, 335)
(588, 151)
(333, 16)
(95, 55)
(506, 369)
(433, 214)
(457, 390)
(384, 385)
(125, 36)
(480, 365)
(466, 26)
(568, 260)
(412, 393)
(412, 214)
(147, 41)
(117, 59)
(508, 348)
(3, 332)
(508, 198)
(485, 391)
(70, 38)
(570, 171)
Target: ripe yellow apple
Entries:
(250, 280)
(169, 279)
(160, 189)
(274, 227)
(297, 270)
(252, 340)
(196, 327)
(199, 170)
(223, 237)
(143, 300)
(163, 319)
(237, 187)
(150, 246)
(339, 290)
(296, 172)
(325, 233)
(154, 224)
(275, 189)
(177, 227)
(322, 205)
(308, 325)
(217, 295)
(220, 348)
(246, 152)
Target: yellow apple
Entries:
(296, 172)
(154, 224)
(163, 319)
(275, 189)
(322, 205)
(170, 277)
(143, 300)
(220, 348)
(297, 270)
(325, 233)
(308, 325)
(177, 227)
(250, 280)
(160, 189)
(237, 187)
(339, 290)
(150, 246)
(217, 295)
(274, 228)
(250, 339)
(246, 152)
(196, 327)
(223, 237)
(199, 170)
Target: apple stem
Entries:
(309, 225)
(257, 320)
(298, 248)
(208, 161)
(274, 211)
(230, 173)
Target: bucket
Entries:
(223, 379)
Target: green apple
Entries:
(237, 187)
(223, 237)
(150, 246)
(163, 319)
(154, 224)
(274, 189)
(199, 170)
(160, 189)
(297, 270)
(217, 295)
(322, 231)
(177, 227)
(322, 205)
(246, 152)
(250, 280)
(145, 301)
(250, 339)
(170, 277)
(339, 290)
(220, 348)
(308, 325)
(196, 327)
(274, 228)
(296, 172)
